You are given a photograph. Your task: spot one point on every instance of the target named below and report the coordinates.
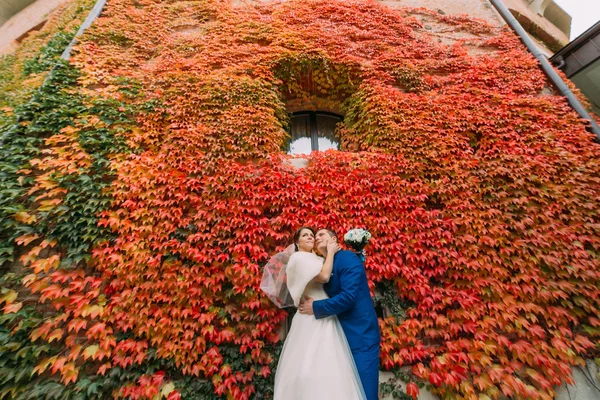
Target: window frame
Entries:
(314, 132)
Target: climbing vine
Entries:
(147, 187)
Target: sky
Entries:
(585, 13)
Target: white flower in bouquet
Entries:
(357, 239)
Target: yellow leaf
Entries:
(48, 205)
(55, 335)
(92, 311)
(28, 279)
(90, 351)
(69, 130)
(9, 297)
(46, 264)
(43, 365)
(70, 375)
(24, 217)
(40, 265)
(167, 389)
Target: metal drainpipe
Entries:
(94, 13)
(547, 67)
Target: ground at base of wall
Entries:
(586, 386)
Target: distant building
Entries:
(580, 61)
(9, 8)
(543, 19)
(20, 17)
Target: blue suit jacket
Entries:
(350, 300)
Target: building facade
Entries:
(543, 19)
(20, 18)
(580, 61)
(147, 181)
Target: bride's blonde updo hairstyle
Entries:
(297, 235)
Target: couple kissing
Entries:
(332, 349)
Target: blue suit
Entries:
(351, 301)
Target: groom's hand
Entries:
(306, 306)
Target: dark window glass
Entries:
(326, 132)
(301, 140)
(313, 131)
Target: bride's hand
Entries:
(333, 247)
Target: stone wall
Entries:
(585, 387)
(550, 36)
(30, 18)
(475, 8)
(534, 16)
(8, 8)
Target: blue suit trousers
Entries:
(367, 364)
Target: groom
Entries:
(350, 300)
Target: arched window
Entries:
(313, 130)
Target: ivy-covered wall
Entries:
(144, 186)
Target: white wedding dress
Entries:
(316, 362)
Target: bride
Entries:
(316, 362)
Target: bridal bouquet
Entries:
(357, 239)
